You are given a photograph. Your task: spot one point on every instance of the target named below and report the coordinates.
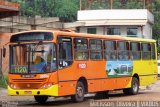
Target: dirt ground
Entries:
(148, 96)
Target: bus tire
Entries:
(41, 99)
(134, 87)
(80, 91)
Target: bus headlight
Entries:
(13, 86)
(46, 85)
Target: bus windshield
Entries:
(33, 58)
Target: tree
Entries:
(156, 26)
(66, 10)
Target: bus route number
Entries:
(21, 69)
(82, 65)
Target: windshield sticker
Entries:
(20, 69)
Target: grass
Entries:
(3, 81)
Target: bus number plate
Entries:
(82, 65)
(28, 92)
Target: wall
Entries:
(124, 14)
(147, 31)
(4, 39)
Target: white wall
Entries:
(147, 31)
(124, 14)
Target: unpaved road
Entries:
(151, 95)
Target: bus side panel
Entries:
(147, 71)
(101, 85)
(123, 82)
(146, 80)
(66, 88)
(94, 72)
(109, 84)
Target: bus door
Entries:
(66, 72)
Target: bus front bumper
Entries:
(51, 91)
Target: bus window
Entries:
(123, 48)
(153, 51)
(110, 50)
(146, 51)
(80, 49)
(95, 49)
(65, 52)
(135, 51)
(33, 56)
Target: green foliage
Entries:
(66, 10)
(3, 81)
(156, 26)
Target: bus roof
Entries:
(114, 37)
(75, 34)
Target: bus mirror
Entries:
(4, 52)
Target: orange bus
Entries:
(59, 63)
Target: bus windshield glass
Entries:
(33, 58)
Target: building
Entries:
(7, 9)
(112, 20)
(124, 22)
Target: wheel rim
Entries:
(80, 92)
(135, 86)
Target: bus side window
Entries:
(110, 50)
(135, 51)
(65, 52)
(146, 51)
(153, 51)
(123, 50)
(95, 49)
(80, 49)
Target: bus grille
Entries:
(29, 83)
(28, 80)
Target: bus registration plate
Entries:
(28, 92)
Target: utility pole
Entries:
(111, 4)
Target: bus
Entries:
(46, 63)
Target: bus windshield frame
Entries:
(33, 58)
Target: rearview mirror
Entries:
(4, 52)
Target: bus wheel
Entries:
(41, 99)
(134, 87)
(80, 90)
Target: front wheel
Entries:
(80, 90)
(134, 87)
(41, 99)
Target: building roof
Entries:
(113, 22)
(115, 17)
(8, 9)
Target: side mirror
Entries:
(4, 52)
